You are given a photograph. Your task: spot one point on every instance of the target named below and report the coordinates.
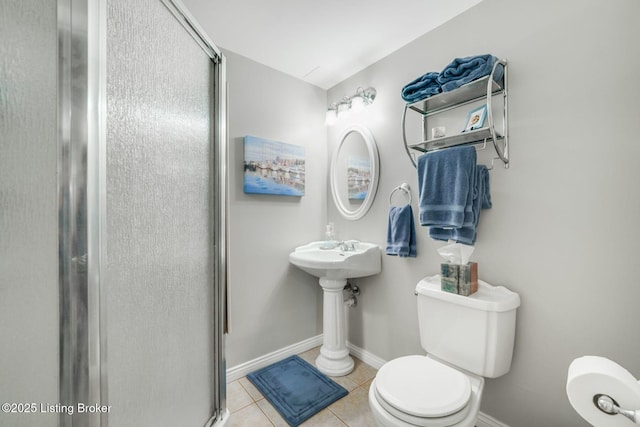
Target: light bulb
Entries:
(331, 117)
(357, 104)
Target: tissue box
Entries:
(459, 279)
(468, 279)
(449, 277)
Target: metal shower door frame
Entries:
(82, 206)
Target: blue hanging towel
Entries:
(446, 179)
(485, 195)
(482, 200)
(467, 69)
(401, 232)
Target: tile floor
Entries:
(250, 409)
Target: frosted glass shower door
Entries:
(28, 210)
(160, 267)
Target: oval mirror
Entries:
(354, 172)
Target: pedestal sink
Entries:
(347, 260)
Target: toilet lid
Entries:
(423, 387)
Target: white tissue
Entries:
(592, 375)
(456, 253)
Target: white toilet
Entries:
(466, 339)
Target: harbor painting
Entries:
(272, 167)
(359, 177)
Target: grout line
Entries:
(250, 397)
(338, 417)
(242, 407)
(246, 391)
(265, 414)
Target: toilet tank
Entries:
(475, 332)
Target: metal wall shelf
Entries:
(465, 94)
(472, 137)
(484, 88)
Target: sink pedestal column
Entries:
(334, 359)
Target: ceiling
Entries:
(321, 42)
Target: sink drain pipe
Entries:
(353, 291)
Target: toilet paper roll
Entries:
(589, 376)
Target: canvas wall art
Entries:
(272, 167)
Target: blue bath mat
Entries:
(296, 389)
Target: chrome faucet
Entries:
(347, 246)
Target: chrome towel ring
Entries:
(403, 187)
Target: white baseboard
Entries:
(370, 359)
(239, 371)
(485, 420)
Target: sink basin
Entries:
(336, 263)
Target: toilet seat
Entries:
(423, 391)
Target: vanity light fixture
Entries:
(355, 102)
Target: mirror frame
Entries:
(372, 149)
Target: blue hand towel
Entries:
(483, 177)
(482, 200)
(401, 232)
(467, 69)
(421, 88)
(446, 179)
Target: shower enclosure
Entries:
(112, 215)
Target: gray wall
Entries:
(563, 230)
(272, 304)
